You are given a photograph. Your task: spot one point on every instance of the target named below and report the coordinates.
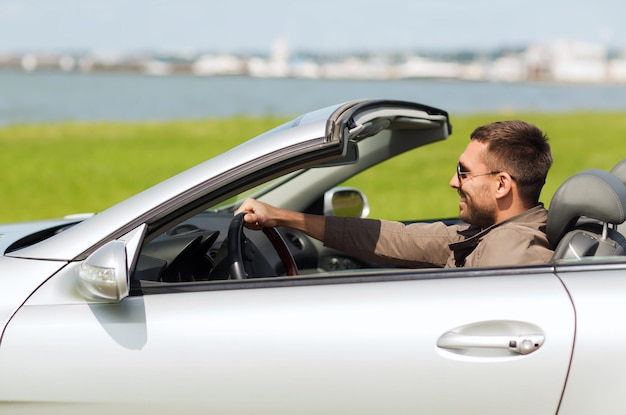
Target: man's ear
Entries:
(504, 185)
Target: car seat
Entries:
(583, 215)
(620, 171)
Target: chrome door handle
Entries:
(523, 344)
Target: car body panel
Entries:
(596, 383)
(366, 347)
(15, 291)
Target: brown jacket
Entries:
(516, 241)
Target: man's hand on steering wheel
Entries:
(258, 215)
(236, 239)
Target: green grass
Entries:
(54, 169)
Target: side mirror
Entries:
(104, 276)
(346, 201)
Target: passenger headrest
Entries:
(620, 170)
(594, 193)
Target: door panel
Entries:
(366, 348)
(597, 383)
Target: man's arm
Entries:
(261, 215)
(389, 242)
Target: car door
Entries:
(447, 341)
(598, 289)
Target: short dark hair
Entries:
(520, 149)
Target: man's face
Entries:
(475, 184)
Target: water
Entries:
(57, 96)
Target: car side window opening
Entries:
(196, 249)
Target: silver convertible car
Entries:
(166, 304)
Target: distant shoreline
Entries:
(560, 62)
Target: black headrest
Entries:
(594, 193)
(620, 170)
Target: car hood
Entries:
(14, 236)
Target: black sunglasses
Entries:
(461, 175)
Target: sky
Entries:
(245, 26)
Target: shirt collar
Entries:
(473, 234)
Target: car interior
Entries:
(584, 214)
(197, 249)
(583, 220)
(619, 171)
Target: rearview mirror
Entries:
(346, 201)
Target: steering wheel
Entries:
(191, 263)
(237, 239)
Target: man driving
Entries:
(498, 177)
